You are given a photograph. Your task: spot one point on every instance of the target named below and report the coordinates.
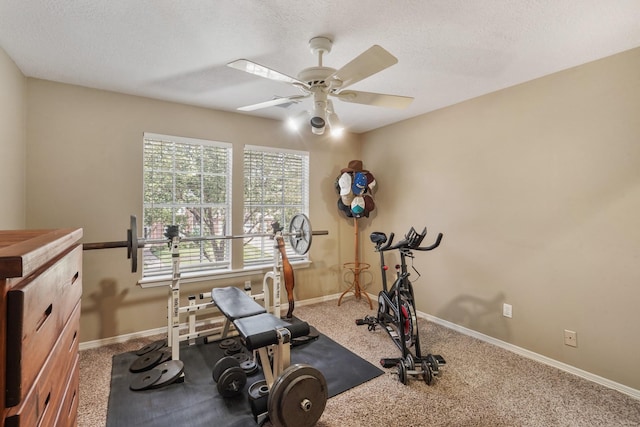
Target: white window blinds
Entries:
(276, 188)
(187, 182)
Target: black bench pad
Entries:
(260, 330)
(234, 303)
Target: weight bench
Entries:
(270, 337)
(259, 330)
(234, 304)
(267, 334)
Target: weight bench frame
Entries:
(174, 310)
(270, 335)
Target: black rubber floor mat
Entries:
(196, 402)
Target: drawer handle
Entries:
(45, 316)
(44, 409)
(75, 277)
(73, 403)
(75, 335)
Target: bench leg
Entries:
(281, 357)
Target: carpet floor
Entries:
(481, 385)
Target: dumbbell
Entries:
(229, 376)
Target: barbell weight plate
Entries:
(222, 365)
(427, 376)
(166, 355)
(171, 371)
(133, 243)
(300, 234)
(232, 382)
(258, 389)
(249, 367)
(241, 357)
(145, 380)
(298, 397)
(234, 348)
(410, 363)
(402, 372)
(433, 363)
(156, 345)
(258, 399)
(226, 343)
(146, 361)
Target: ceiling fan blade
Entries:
(262, 71)
(272, 103)
(376, 99)
(369, 62)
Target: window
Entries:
(276, 188)
(187, 182)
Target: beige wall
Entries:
(13, 113)
(85, 170)
(537, 191)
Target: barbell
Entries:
(300, 236)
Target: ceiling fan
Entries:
(322, 82)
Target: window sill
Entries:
(203, 276)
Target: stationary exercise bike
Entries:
(396, 310)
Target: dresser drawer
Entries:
(37, 312)
(68, 415)
(41, 405)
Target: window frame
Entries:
(235, 268)
(266, 243)
(173, 206)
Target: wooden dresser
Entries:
(40, 289)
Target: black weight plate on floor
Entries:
(146, 361)
(402, 372)
(145, 380)
(166, 356)
(156, 345)
(241, 357)
(427, 376)
(234, 348)
(222, 365)
(258, 389)
(232, 382)
(431, 360)
(170, 371)
(311, 336)
(249, 367)
(224, 344)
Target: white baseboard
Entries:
(534, 356)
(466, 331)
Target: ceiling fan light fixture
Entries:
(318, 121)
(337, 128)
(295, 122)
(317, 125)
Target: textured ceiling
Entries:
(177, 50)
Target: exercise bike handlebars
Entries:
(412, 241)
(428, 248)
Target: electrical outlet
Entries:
(570, 338)
(507, 310)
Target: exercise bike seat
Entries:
(378, 237)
